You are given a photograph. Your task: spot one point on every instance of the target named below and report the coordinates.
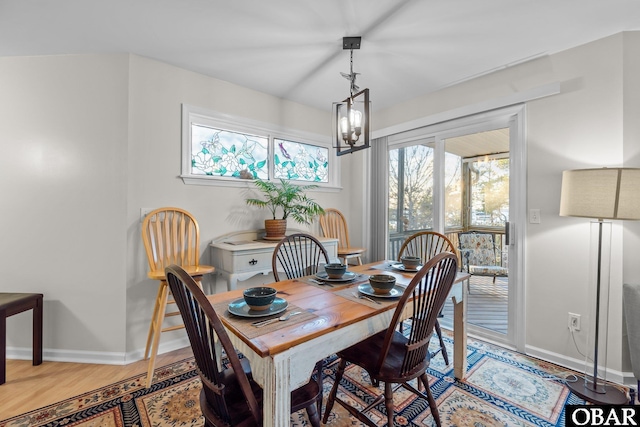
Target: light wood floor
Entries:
(487, 304)
(31, 387)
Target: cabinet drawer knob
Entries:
(253, 262)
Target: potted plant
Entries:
(288, 198)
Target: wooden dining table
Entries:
(330, 318)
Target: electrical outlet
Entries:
(574, 322)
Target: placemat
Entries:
(352, 293)
(244, 324)
(311, 280)
(387, 266)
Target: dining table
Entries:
(330, 315)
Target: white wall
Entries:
(63, 180)
(586, 125)
(87, 141)
(631, 268)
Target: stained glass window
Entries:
(299, 161)
(218, 152)
(224, 150)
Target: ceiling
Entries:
(292, 49)
(479, 144)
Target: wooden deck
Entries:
(486, 304)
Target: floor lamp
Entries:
(605, 193)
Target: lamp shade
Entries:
(604, 193)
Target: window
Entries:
(222, 150)
(472, 190)
(299, 161)
(411, 188)
(217, 152)
(453, 190)
(489, 191)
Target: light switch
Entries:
(534, 216)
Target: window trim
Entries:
(198, 115)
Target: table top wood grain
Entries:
(333, 311)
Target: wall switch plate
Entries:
(534, 216)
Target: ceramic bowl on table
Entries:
(335, 270)
(382, 283)
(410, 262)
(259, 298)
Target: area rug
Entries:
(501, 388)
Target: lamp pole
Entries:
(600, 193)
(588, 388)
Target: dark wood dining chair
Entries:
(229, 396)
(425, 245)
(298, 255)
(393, 358)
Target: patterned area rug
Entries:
(502, 388)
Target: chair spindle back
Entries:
(203, 326)
(429, 289)
(171, 236)
(298, 255)
(425, 245)
(334, 225)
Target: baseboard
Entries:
(618, 377)
(164, 347)
(102, 358)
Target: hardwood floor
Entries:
(31, 387)
(486, 304)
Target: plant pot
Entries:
(275, 228)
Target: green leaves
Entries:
(289, 198)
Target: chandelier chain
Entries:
(352, 76)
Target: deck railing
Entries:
(396, 240)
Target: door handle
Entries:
(507, 233)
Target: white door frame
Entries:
(514, 118)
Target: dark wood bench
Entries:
(14, 303)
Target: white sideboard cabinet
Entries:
(241, 255)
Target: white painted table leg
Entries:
(277, 395)
(459, 333)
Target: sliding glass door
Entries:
(456, 180)
(478, 214)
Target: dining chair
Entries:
(229, 396)
(334, 225)
(170, 236)
(393, 358)
(298, 255)
(425, 245)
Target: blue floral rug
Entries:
(501, 388)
